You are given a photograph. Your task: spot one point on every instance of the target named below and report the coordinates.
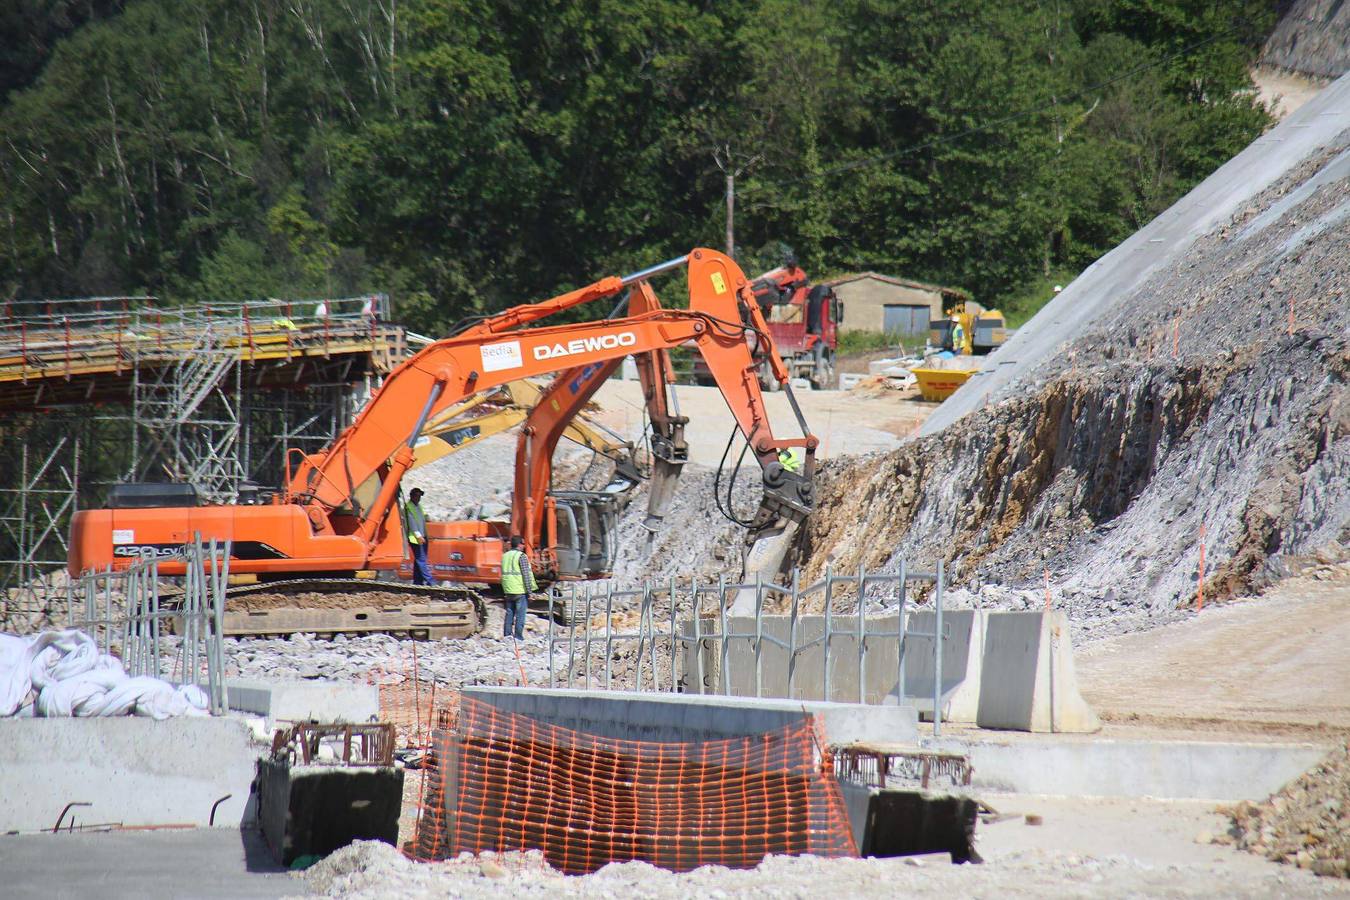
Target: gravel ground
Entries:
(371, 870)
(384, 660)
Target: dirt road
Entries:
(1279, 662)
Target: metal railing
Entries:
(128, 616)
(672, 636)
(45, 339)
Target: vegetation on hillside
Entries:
(470, 154)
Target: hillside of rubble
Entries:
(1207, 404)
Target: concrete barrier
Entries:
(1028, 681)
(305, 701)
(962, 663)
(876, 674)
(132, 770)
(631, 715)
(1008, 670)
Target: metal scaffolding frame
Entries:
(100, 390)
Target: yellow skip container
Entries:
(936, 385)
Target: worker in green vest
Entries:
(791, 458)
(958, 335)
(415, 529)
(517, 582)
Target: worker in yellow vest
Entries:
(415, 529)
(958, 335)
(791, 458)
(517, 582)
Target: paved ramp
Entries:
(1115, 277)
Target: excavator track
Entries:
(331, 606)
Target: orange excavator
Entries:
(335, 516)
(573, 533)
(803, 321)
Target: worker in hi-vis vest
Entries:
(517, 582)
(415, 527)
(958, 335)
(791, 458)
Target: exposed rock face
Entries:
(1193, 404)
(1312, 37)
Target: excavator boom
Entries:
(319, 524)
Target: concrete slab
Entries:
(1171, 770)
(132, 770)
(305, 701)
(202, 864)
(629, 715)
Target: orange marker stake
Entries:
(1047, 590)
(523, 680)
(1176, 336)
(417, 695)
(1200, 583)
(1291, 314)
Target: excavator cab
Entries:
(584, 539)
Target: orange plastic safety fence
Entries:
(505, 782)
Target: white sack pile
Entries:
(62, 673)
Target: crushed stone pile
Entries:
(1307, 824)
(694, 540)
(1190, 405)
(366, 869)
(383, 659)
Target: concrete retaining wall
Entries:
(1009, 670)
(631, 715)
(1172, 770)
(133, 770)
(305, 701)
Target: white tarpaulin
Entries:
(62, 673)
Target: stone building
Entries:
(875, 302)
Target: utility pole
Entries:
(723, 157)
(731, 214)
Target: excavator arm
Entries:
(485, 415)
(670, 451)
(496, 351)
(565, 398)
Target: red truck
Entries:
(804, 323)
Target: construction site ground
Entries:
(847, 422)
(1081, 848)
(1245, 667)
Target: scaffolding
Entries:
(101, 390)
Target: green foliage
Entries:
(856, 341)
(467, 155)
